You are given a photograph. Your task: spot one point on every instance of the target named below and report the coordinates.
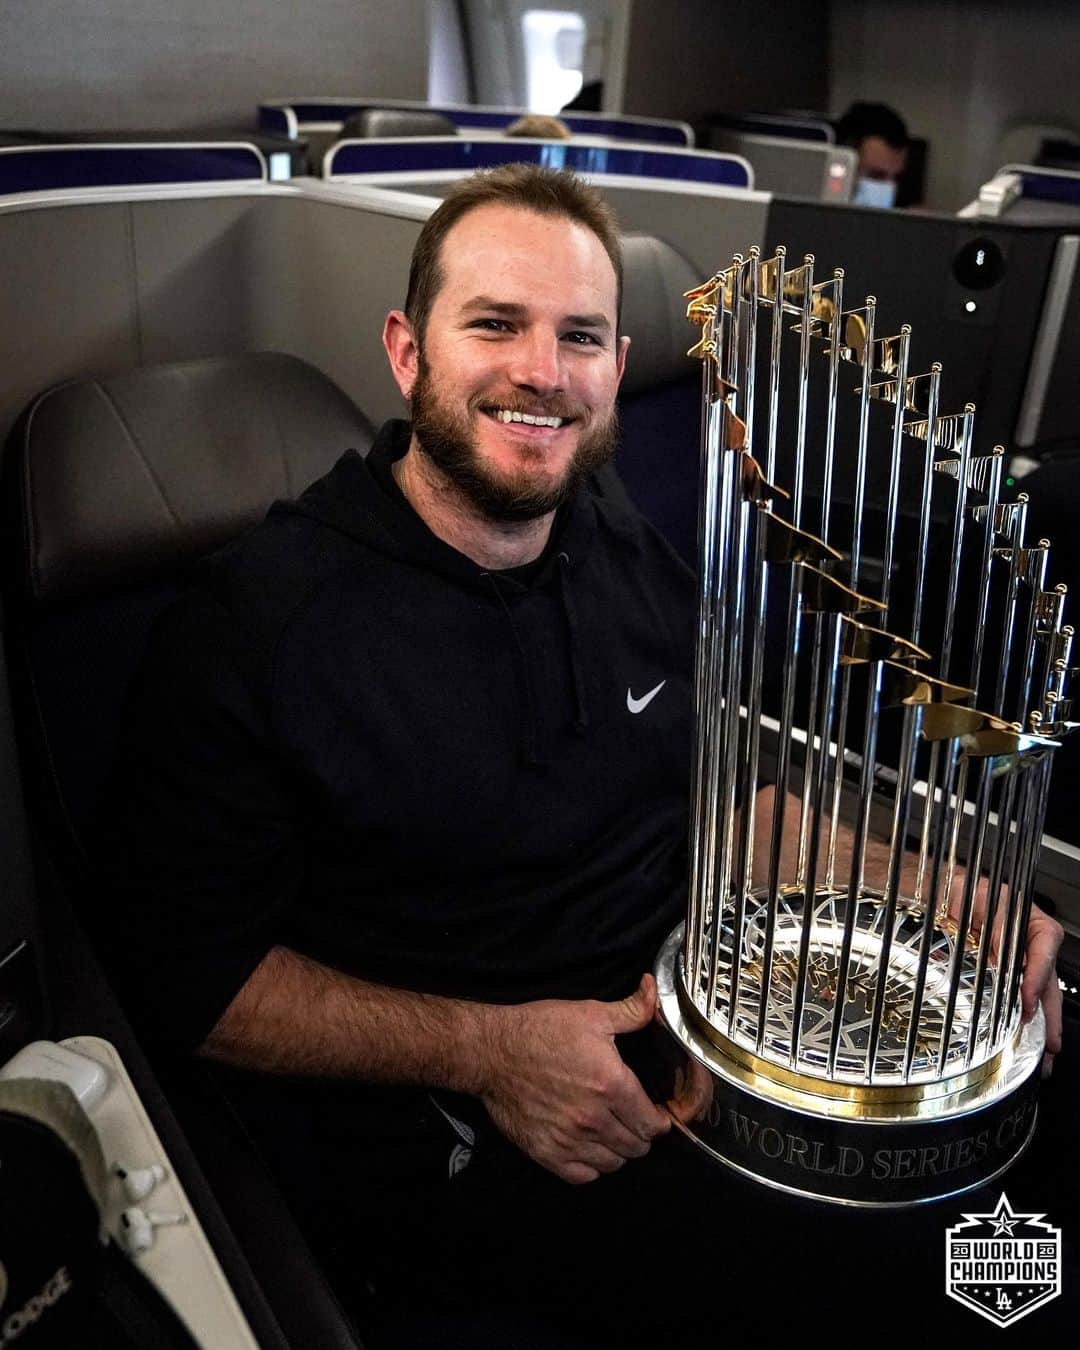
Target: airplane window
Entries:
(554, 42)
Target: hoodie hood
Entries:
(360, 499)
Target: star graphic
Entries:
(1004, 1218)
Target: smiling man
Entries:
(412, 829)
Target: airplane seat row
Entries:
(112, 490)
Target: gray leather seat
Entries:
(660, 400)
(370, 122)
(113, 489)
(123, 478)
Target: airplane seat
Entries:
(381, 122)
(660, 396)
(112, 490)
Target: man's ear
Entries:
(622, 347)
(402, 350)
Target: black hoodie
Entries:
(352, 740)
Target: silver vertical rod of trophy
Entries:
(940, 815)
(858, 510)
(1004, 832)
(1041, 790)
(941, 798)
(795, 606)
(708, 582)
(933, 404)
(1049, 607)
(731, 602)
(993, 494)
(981, 1024)
(1010, 870)
(945, 649)
(977, 831)
(1036, 576)
(827, 640)
(909, 745)
(939, 806)
(1017, 526)
(836, 351)
(1028, 855)
(751, 632)
(1034, 563)
(760, 578)
(714, 635)
(913, 715)
(869, 747)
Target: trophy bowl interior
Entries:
(806, 1049)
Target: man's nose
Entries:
(536, 363)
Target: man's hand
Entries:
(556, 1086)
(1044, 936)
(1039, 982)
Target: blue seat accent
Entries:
(427, 156)
(1061, 186)
(45, 168)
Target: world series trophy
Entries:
(852, 985)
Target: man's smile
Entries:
(530, 425)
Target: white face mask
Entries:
(874, 192)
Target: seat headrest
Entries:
(654, 313)
(370, 122)
(122, 478)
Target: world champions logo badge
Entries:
(1003, 1265)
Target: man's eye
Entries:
(583, 339)
(492, 325)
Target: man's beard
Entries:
(446, 438)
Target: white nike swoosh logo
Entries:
(637, 705)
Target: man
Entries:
(386, 815)
(880, 137)
(400, 831)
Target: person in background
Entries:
(540, 126)
(880, 137)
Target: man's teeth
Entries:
(504, 415)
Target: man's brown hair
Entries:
(548, 192)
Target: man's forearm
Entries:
(295, 1016)
(548, 1072)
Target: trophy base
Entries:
(867, 1151)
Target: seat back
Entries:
(660, 398)
(382, 122)
(113, 490)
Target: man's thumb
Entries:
(637, 1009)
